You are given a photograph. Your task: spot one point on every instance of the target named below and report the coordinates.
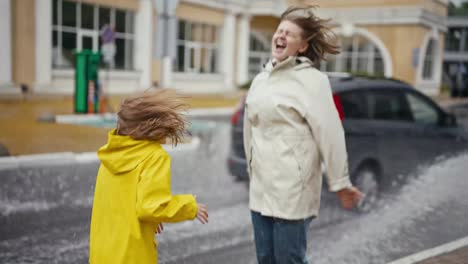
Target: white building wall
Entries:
(43, 45)
(243, 50)
(227, 51)
(5, 43)
(144, 33)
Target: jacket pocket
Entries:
(301, 150)
(288, 166)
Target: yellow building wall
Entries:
(23, 43)
(200, 14)
(433, 6)
(364, 3)
(264, 24)
(400, 42)
(156, 71)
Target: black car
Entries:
(391, 129)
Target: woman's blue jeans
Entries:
(279, 241)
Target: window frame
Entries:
(58, 28)
(202, 61)
(392, 91)
(259, 51)
(429, 60)
(428, 101)
(363, 93)
(354, 55)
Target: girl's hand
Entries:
(202, 214)
(160, 228)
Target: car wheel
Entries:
(366, 181)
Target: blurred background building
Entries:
(214, 46)
(456, 51)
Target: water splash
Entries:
(376, 236)
(12, 207)
(351, 239)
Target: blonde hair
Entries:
(316, 32)
(153, 115)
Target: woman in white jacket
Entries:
(291, 127)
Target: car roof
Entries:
(347, 83)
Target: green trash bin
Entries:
(87, 81)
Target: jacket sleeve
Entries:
(155, 203)
(322, 118)
(247, 132)
(247, 128)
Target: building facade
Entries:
(209, 46)
(456, 56)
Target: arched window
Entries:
(259, 53)
(429, 58)
(358, 55)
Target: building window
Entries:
(259, 53)
(76, 26)
(429, 58)
(197, 48)
(465, 36)
(454, 39)
(358, 55)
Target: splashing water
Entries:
(400, 225)
(403, 221)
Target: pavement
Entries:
(232, 196)
(28, 125)
(459, 256)
(455, 252)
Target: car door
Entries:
(394, 130)
(436, 139)
(361, 141)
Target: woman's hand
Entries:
(349, 197)
(202, 214)
(160, 228)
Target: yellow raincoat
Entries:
(132, 196)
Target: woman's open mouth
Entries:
(280, 47)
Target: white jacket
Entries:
(291, 126)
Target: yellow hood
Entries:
(122, 153)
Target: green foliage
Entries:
(246, 85)
(461, 10)
(379, 76)
(367, 75)
(444, 89)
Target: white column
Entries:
(143, 33)
(43, 44)
(439, 58)
(165, 38)
(243, 50)
(229, 32)
(5, 42)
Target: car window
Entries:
(354, 105)
(389, 105)
(423, 112)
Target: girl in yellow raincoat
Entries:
(133, 187)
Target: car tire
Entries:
(366, 180)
